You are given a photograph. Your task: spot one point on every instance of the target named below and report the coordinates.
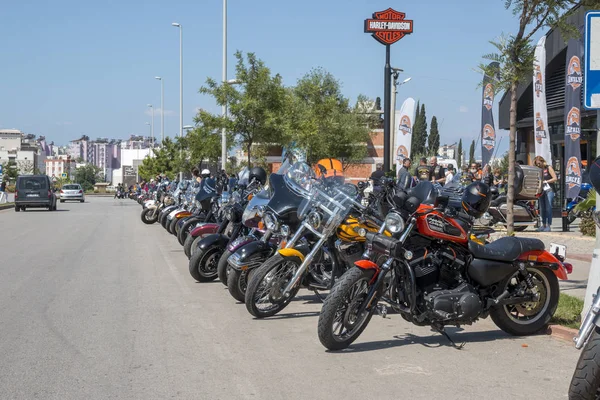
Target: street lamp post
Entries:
(149, 128)
(395, 75)
(224, 79)
(152, 125)
(180, 77)
(162, 109)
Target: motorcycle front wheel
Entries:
(147, 217)
(237, 283)
(223, 267)
(339, 323)
(264, 297)
(572, 216)
(585, 384)
(203, 264)
(528, 318)
(185, 230)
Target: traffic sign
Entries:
(64, 175)
(591, 83)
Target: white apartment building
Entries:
(56, 166)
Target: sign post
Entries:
(387, 27)
(591, 100)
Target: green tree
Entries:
(10, 171)
(459, 152)
(256, 106)
(203, 144)
(321, 121)
(164, 160)
(87, 176)
(434, 137)
(513, 61)
(472, 153)
(419, 137)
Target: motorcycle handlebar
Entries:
(381, 243)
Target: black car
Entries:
(34, 191)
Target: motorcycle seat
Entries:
(505, 249)
(498, 200)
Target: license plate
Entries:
(559, 250)
(33, 195)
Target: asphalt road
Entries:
(96, 305)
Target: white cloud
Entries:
(168, 113)
(463, 109)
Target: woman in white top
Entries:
(449, 174)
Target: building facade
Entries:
(556, 54)
(58, 165)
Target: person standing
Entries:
(449, 174)
(3, 196)
(405, 179)
(376, 177)
(423, 171)
(545, 201)
(438, 174)
(498, 179)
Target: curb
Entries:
(6, 206)
(562, 332)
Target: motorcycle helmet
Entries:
(205, 173)
(259, 174)
(476, 199)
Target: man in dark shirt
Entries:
(423, 171)
(438, 173)
(404, 176)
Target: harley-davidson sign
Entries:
(388, 26)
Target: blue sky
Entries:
(78, 67)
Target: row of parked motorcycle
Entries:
(420, 253)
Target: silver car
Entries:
(72, 191)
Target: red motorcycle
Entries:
(432, 274)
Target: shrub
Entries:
(10, 188)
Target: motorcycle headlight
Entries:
(229, 213)
(271, 222)
(394, 223)
(285, 230)
(314, 219)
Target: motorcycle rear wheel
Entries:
(263, 294)
(171, 227)
(339, 325)
(534, 316)
(585, 384)
(572, 216)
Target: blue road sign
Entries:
(591, 81)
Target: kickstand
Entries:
(321, 298)
(441, 331)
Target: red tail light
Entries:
(568, 267)
(61, 191)
(81, 191)
(49, 193)
(16, 194)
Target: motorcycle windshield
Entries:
(425, 192)
(284, 203)
(207, 189)
(250, 216)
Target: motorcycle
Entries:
(528, 188)
(572, 213)
(152, 208)
(249, 252)
(433, 275)
(313, 258)
(585, 383)
(205, 259)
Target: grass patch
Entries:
(568, 312)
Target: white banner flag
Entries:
(540, 112)
(405, 119)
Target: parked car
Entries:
(34, 191)
(72, 191)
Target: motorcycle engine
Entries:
(349, 252)
(439, 277)
(460, 303)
